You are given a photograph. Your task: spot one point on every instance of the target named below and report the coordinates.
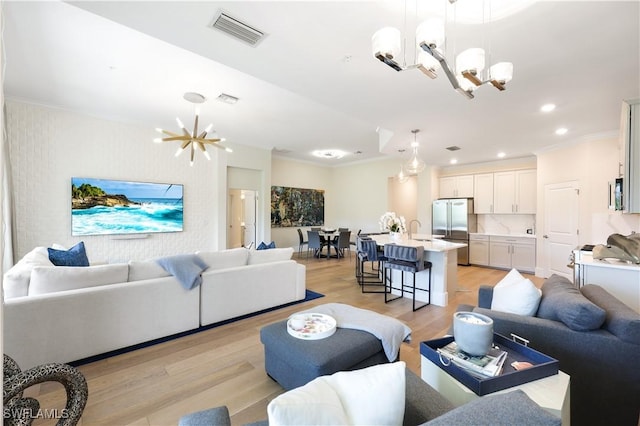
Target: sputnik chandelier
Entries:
(430, 41)
(192, 139)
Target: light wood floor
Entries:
(225, 365)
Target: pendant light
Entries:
(415, 164)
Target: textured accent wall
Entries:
(48, 146)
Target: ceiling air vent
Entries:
(237, 29)
(452, 148)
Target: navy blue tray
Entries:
(543, 365)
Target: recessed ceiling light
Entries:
(329, 153)
(561, 131)
(453, 161)
(501, 155)
(547, 107)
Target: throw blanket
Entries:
(187, 268)
(390, 331)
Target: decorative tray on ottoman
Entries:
(311, 326)
(543, 365)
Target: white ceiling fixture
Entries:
(415, 164)
(501, 155)
(430, 40)
(192, 139)
(227, 99)
(328, 153)
(561, 131)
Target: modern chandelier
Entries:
(192, 139)
(430, 42)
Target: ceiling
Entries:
(312, 83)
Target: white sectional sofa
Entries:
(64, 314)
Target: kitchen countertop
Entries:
(427, 241)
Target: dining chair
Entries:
(302, 242)
(314, 243)
(341, 243)
(405, 259)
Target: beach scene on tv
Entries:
(100, 207)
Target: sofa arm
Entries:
(512, 408)
(485, 296)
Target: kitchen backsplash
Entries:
(506, 223)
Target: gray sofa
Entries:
(595, 338)
(424, 405)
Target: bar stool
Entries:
(367, 251)
(405, 259)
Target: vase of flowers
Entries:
(395, 225)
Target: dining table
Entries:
(443, 256)
(326, 236)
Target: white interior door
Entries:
(249, 204)
(560, 227)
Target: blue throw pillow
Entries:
(75, 256)
(264, 246)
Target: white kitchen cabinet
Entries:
(456, 186)
(483, 193)
(479, 250)
(514, 192)
(512, 252)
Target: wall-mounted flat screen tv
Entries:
(103, 207)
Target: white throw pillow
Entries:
(370, 396)
(60, 278)
(516, 295)
(16, 280)
(270, 255)
(145, 270)
(223, 259)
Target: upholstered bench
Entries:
(294, 362)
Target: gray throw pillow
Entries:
(621, 320)
(562, 301)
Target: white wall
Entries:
(593, 164)
(48, 146)
(355, 195)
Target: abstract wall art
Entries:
(296, 207)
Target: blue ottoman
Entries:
(294, 362)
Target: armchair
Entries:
(602, 362)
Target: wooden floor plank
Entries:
(225, 365)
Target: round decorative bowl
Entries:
(311, 326)
(473, 332)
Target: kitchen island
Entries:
(443, 256)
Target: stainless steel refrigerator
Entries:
(454, 220)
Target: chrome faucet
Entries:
(411, 223)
